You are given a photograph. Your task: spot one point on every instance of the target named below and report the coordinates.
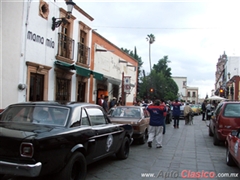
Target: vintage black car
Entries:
(41, 138)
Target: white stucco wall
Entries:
(181, 89)
(233, 65)
(11, 51)
(108, 64)
(42, 52)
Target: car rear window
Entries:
(36, 114)
(127, 112)
(232, 110)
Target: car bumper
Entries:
(28, 170)
(137, 135)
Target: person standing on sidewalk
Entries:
(187, 113)
(164, 114)
(105, 104)
(203, 110)
(208, 110)
(156, 123)
(176, 113)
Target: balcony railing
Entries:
(83, 54)
(65, 46)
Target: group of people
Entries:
(207, 108)
(157, 112)
(103, 101)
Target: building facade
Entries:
(46, 55)
(116, 66)
(186, 93)
(227, 77)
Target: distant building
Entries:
(227, 77)
(186, 93)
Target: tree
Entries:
(159, 83)
(151, 39)
(162, 67)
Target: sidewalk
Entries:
(186, 151)
(189, 149)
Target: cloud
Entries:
(192, 34)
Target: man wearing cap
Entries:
(156, 123)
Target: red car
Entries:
(224, 119)
(233, 148)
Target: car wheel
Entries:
(210, 133)
(123, 152)
(76, 168)
(229, 158)
(216, 141)
(144, 138)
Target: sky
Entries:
(193, 34)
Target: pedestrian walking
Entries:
(187, 111)
(155, 128)
(105, 104)
(176, 113)
(164, 114)
(208, 110)
(203, 110)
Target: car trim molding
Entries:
(76, 147)
(29, 170)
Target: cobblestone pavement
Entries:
(186, 151)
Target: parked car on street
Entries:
(137, 116)
(196, 109)
(224, 119)
(42, 138)
(233, 148)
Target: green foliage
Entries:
(159, 80)
(151, 38)
(162, 67)
(164, 87)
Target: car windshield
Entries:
(127, 112)
(51, 115)
(232, 110)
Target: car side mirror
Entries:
(234, 133)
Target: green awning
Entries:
(82, 71)
(97, 75)
(64, 65)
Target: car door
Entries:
(236, 148)
(83, 132)
(107, 134)
(214, 119)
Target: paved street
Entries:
(188, 149)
